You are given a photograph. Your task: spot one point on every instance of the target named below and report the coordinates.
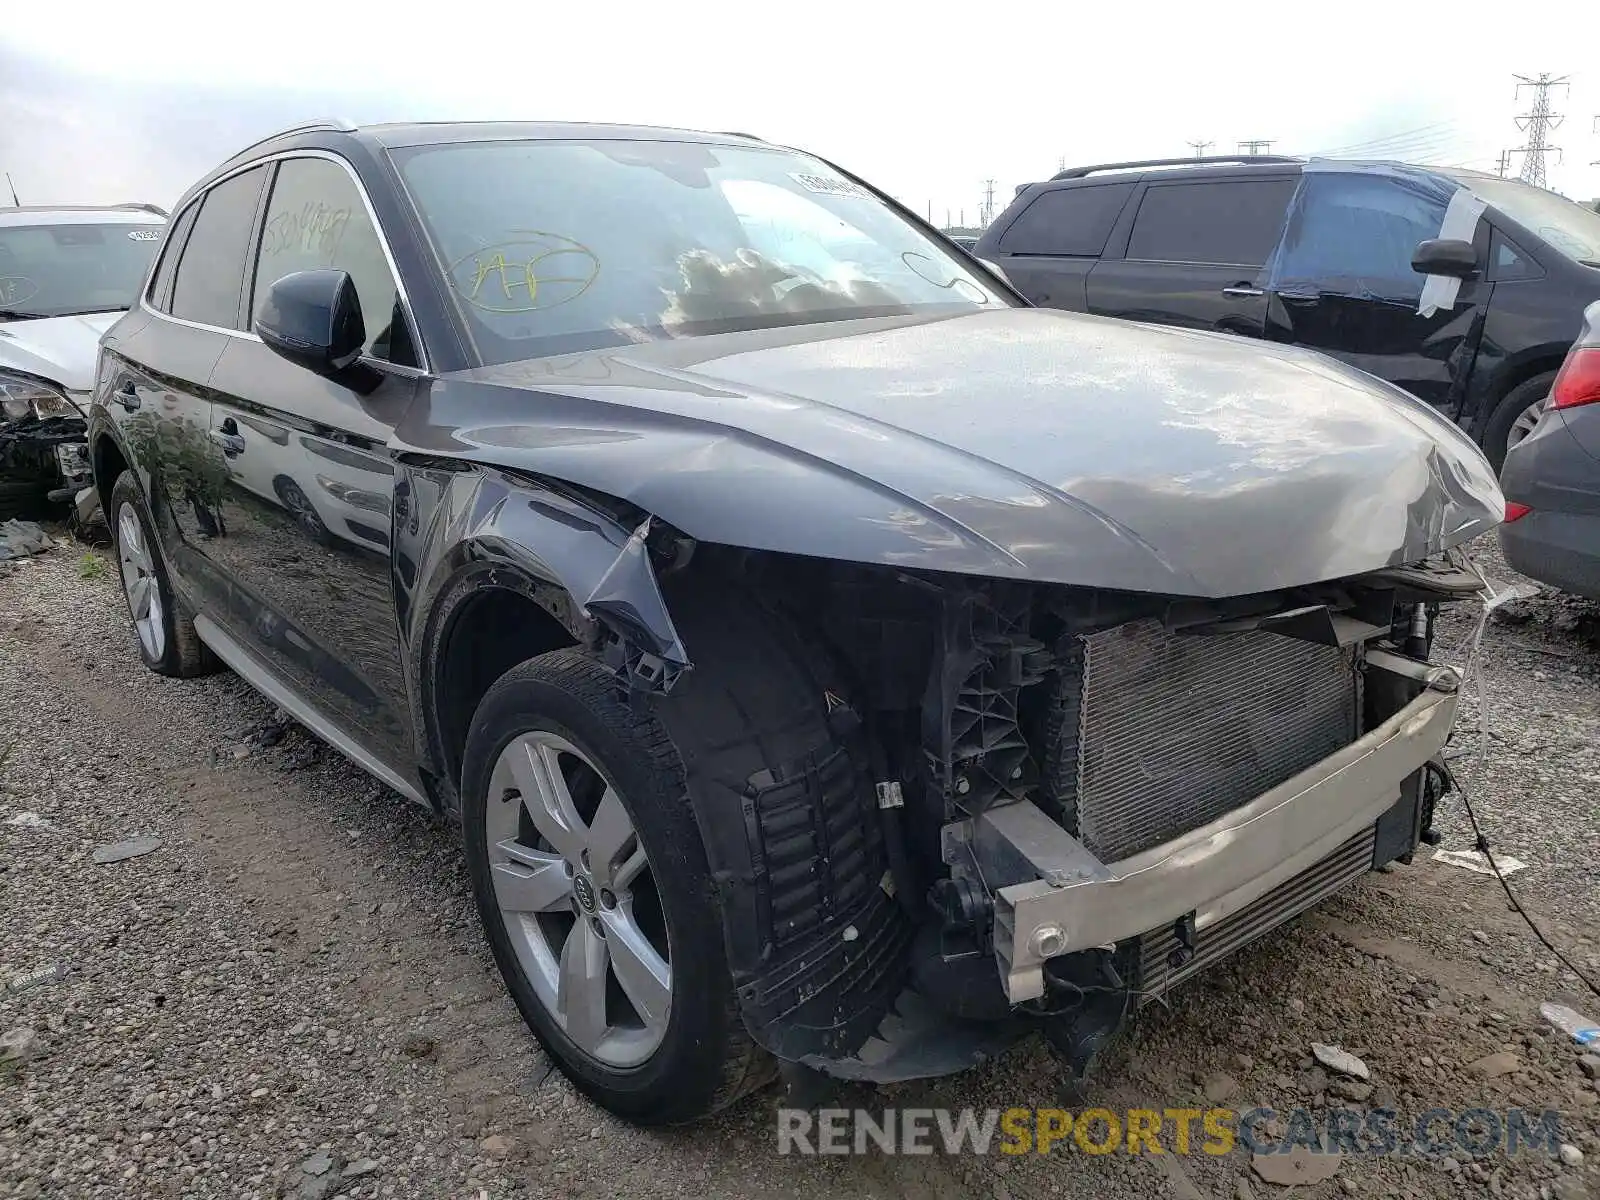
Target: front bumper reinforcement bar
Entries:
(1068, 900)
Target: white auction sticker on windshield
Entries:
(830, 185)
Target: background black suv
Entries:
(1320, 254)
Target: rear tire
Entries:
(163, 623)
(1497, 431)
(699, 1057)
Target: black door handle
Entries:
(128, 396)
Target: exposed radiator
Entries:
(1350, 861)
(1175, 730)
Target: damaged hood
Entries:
(60, 349)
(1021, 443)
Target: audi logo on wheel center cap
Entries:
(585, 891)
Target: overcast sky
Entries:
(106, 103)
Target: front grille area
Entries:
(1350, 861)
(1176, 730)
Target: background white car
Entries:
(65, 275)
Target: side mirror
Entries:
(1445, 256)
(313, 319)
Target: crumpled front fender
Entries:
(459, 529)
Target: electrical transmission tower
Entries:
(1255, 145)
(986, 214)
(1537, 124)
(1505, 163)
(1200, 148)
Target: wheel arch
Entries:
(1511, 374)
(492, 569)
(489, 619)
(107, 461)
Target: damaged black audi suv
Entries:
(838, 666)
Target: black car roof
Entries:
(426, 133)
(1231, 168)
(393, 135)
(336, 135)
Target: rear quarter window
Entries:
(1236, 222)
(1071, 221)
(160, 294)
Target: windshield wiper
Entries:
(14, 314)
(92, 312)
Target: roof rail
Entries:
(1080, 172)
(737, 133)
(141, 206)
(306, 127)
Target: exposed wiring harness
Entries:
(1481, 844)
(1472, 676)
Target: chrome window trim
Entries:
(383, 242)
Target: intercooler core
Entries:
(1177, 729)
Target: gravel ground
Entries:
(294, 977)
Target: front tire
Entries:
(163, 624)
(592, 884)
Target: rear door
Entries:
(310, 481)
(1345, 284)
(160, 369)
(1196, 254)
(1048, 249)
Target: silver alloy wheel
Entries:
(139, 582)
(578, 899)
(1526, 420)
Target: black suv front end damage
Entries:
(1034, 806)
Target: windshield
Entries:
(1570, 228)
(73, 267)
(561, 246)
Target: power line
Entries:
(1417, 145)
(1255, 145)
(1200, 148)
(1423, 152)
(1402, 136)
(1537, 124)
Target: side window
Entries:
(1354, 235)
(160, 294)
(1509, 261)
(210, 274)
(316, 219)
(1067, 221)
(1235, 221)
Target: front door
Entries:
(1344, 283)
(1196, 255)
(310, 479)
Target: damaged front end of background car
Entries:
(1030, 755)
(44, 456)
